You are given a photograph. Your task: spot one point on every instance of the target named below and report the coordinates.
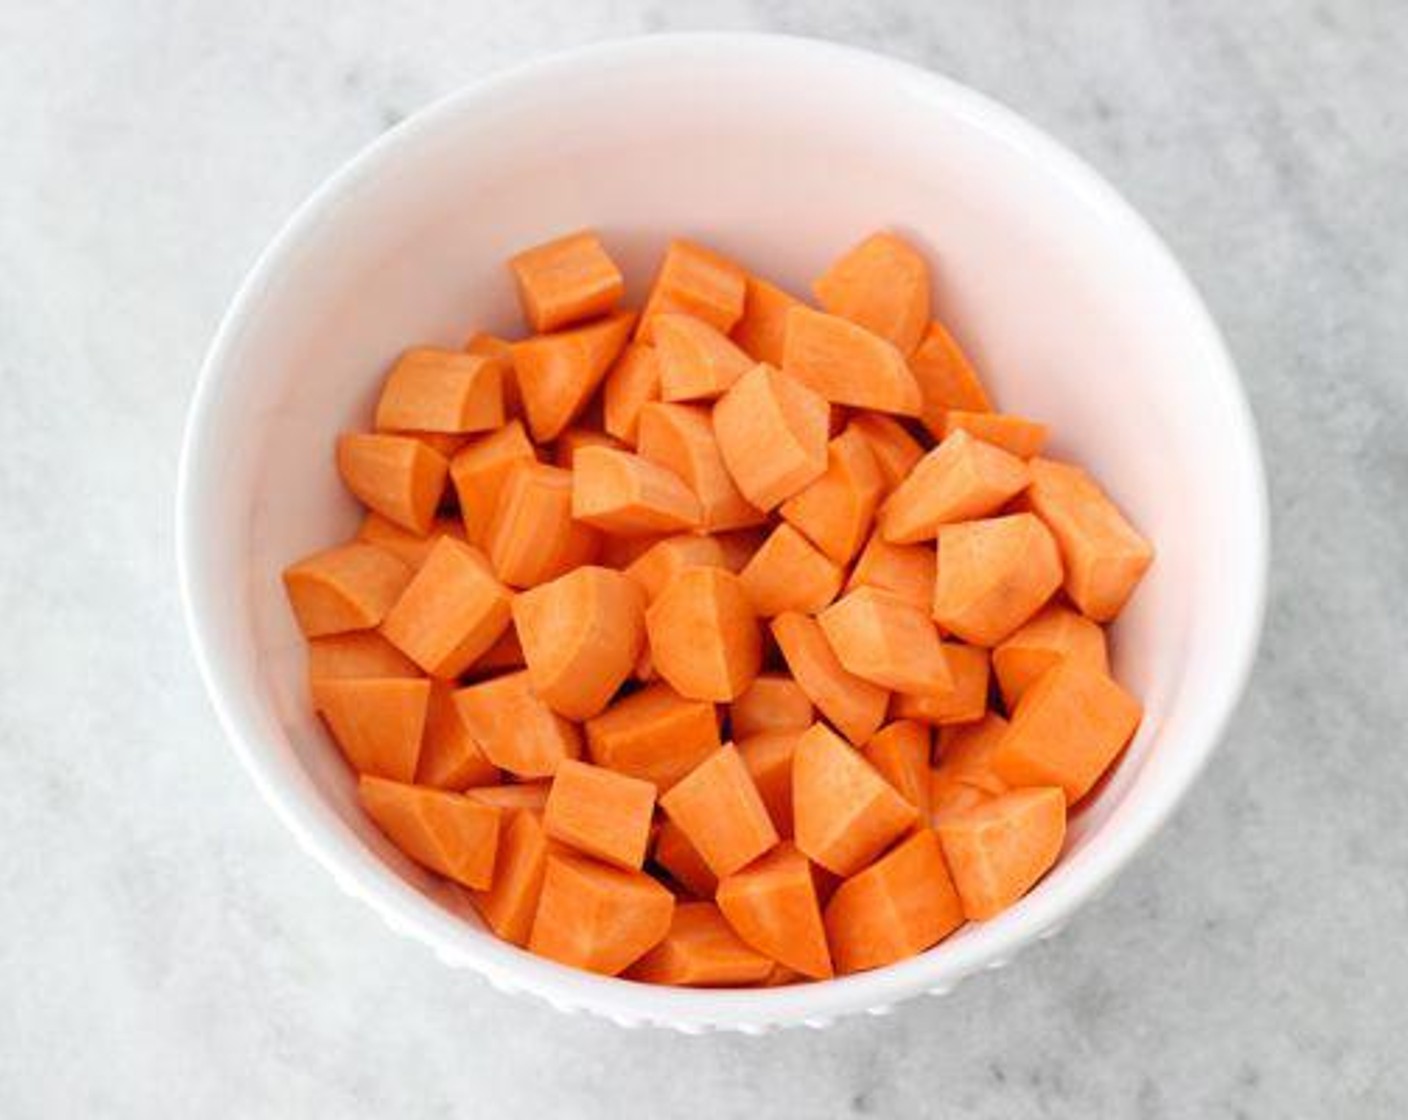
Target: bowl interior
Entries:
(780, 154)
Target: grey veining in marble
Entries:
(164, 948)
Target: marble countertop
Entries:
(166, 950)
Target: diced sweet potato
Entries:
(446, 832)
(441, 391)
(1054, 632)
(772, 905)
(596, 917)
(997, 850)
(697, 361)
(718, 808)
(704, 637)
(788, 573)
(515, 729)
(835, 511)
(655, 734)
(701, 951)
(855, 706)
(946, 379)
(347, 588)
(772, 433)
(377, 723)
(695, 281)
(993, 576)
(847, 364)
(533, 537)
(773, 702)
(960, 480)
(600, 813)
(566, 280)
(558, 373)
(886, 641)
(399, 477)
(681, 439)
(883, 285)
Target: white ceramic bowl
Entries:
(781, 152)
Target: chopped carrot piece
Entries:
(946, 379)
(600, 813)
(835, 511)
(719, 809)
(1014, 434)
(357, 653)
(966, 751)
(411, 548)
(895, 450)
(772, 432)
(949, 796)
(704, 637)
(666, 558)
(697, 362)
(398, 476)
(993, 576)
(695, 281)
(998, 849)
(532, 537)
(768, 757)
(525, 797)
(1068, 729)
(772, 905)
(903, 903)
(655, 734)
(960, 480)
(566, 446)
(632, 383)
(847, 364)
(906, 571)
(506, 653)
(441, 391)
(886, 641)
(1104, 557)
(685, 865)
(622, 493)
(701, 951)
(762, 331)
(566, 280)
(788, 573)
(773, 702)
(377, 723)
(491, 346)
(1054, 632)
(596, 917)
(558, 373)
(883, 285)
(844, 812)
(451, 612)
(479, 471)
(449, 756)
(681, 439)
(581, 635)
(855, 706)
(515, 729)
(350, 587)
(900, 753)
(510, 903)
(964, 702)
(446, 832)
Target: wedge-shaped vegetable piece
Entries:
(506, 653)
(881, 284)
(855, 706)
(772, 433)
(960, 480)
(704, 636)
(600, 813)
(886, 641)
(376, 723)
(789, 573)
(666, 558)
(449, 756)
(950, 796)
(632, 383)
(847, 364)
(762, 331)
(895, 450)
(408, 547)
(1069, 727)
(993, 576)
(442, 391)
(1103, 555)
(581, 635)
(558, 373)
(479, 471)
(1054, 632)
(596, 917)
(903, 903)
(678, 857)
(697, 362)
(533, 537)
(695, 281)
(701, 951)
(774, 702)
(718, 808)
(573, 440)
(900, 752)
(527, 797)
(625, 494)
(655, 734)
(347, 588)
(491, 346)
(358, 653)
(509, 905)
(1014, 434)
(964, 702)
(399, 477)
(446, 832)
(835, 511)
(515, 729)
(946, 379)
(768, 757)
(906, 571)
(997, 850)
(966, 751)
(844, 812)
(566, 280)
(772, 905)
(681, 439)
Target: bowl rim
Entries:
(404, 909)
